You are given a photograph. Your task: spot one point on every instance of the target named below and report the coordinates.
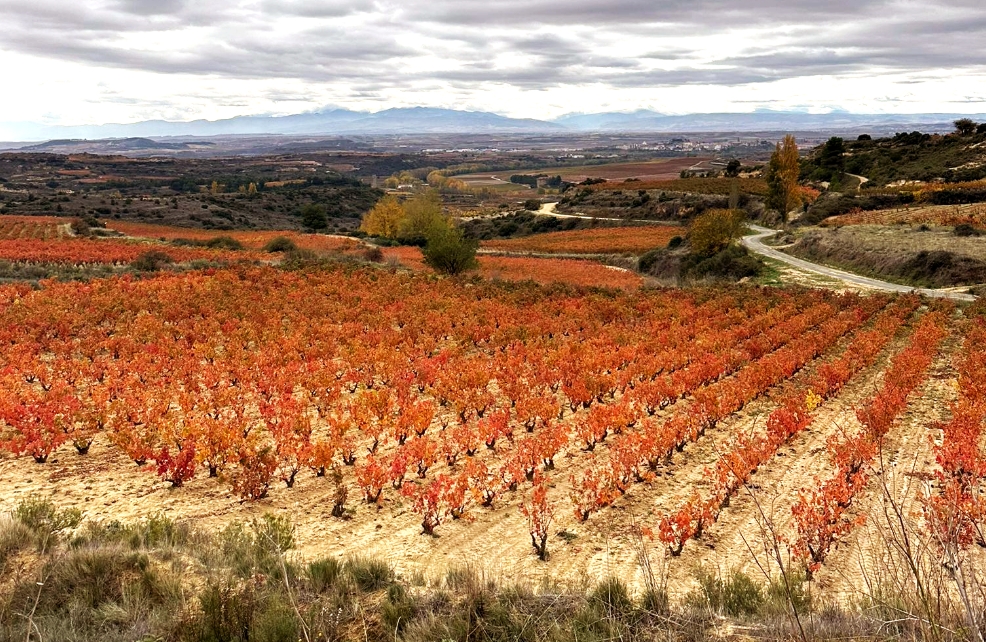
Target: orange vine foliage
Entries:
(32, 227)
(253, 240)
(600, 240)
(456, 394)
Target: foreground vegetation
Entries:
(70, 578)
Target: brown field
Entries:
(664, 169)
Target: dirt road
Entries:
(548, 209)
(754, 242)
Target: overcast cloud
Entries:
(77, 62)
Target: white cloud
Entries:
(87, 61)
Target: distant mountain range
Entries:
(430, 120)
(416, 120)
(758, 121)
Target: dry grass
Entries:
(922, 257)
(165, 580)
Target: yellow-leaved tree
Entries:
(782, 175)
(384, 219)
(712, 231)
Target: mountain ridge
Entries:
(434, 120)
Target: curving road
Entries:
(548, 209)
(754, 242)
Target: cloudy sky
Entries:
(97, 61)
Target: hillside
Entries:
(221, 194)
(911, 156)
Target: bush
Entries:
(780, 597)
(225, 613)
(14, 536)
(734, 595)
(151, 261)
(612, 595)
(656, 602)
(313, 217)
(398, 609)
(662, 263)
(369, 574)
(158, 530)
(373, 254)
(733, 263)
(532, 204)
(273, 535)
(280, 244)
(448, 251)
(648, 260)
(714, 230)
(324, 573)
(224, 243)
(45, 519)
(80, 227)
(964, 229)
(259, 547)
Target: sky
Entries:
(75, 62)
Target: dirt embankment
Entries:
(916, 256)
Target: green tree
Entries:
(421, 213)
(832, 158)
(782, 175)
(733, 168)
(313, 217)
(965, 126)
(447, 249)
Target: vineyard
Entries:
(252, 240)
(708, 186)
(48, 241)
(974, 215)
(545, 271)
(615, 240)
(72, 251)
(32, 227)
(378, 407)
